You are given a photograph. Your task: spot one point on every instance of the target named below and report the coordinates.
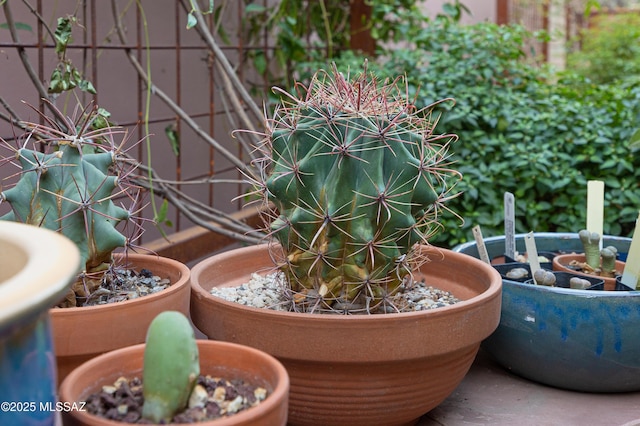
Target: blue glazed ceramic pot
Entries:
(579, 340)
(36, 268)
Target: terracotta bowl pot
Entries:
(580, 340)
(82, 333)
(358, 369)
(220, 359)
(561, 262)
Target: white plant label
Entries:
(595, 207)
(532, 254)
(509, 225)
(631, 271)
(482, 249)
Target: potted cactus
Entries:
(581, 340)
(71, 176)
(182, 382)
(593, 261)
(358, 178)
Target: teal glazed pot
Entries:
(581, 340)
(37, 267)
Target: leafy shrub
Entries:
(610, 49)
(317, 31)
(519, 132)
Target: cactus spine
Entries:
(171, 366)
(358, 178)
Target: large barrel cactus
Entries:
(358, 177)
(70, 175)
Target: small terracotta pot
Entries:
(220, 359)
(82, 333)
(561, 261)
(358, 369)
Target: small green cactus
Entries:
(544, 277)
(608, 265)
(579, 283)
(591, 245)
(602, 261)
(171, 366)
(358, 177)
(68, 182)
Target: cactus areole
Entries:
(358, 178)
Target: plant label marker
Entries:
(509, 225)
(595, 207)
(532, 254)
(482, 249)
(631, 271)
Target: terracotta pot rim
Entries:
(560, 264)
(468, 322)
(279, 392)
(494, 290)
(185, 275)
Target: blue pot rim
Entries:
(559, 290)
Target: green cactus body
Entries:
(357, 177)
(544, 277)
(70, 192)
(591, 245)
(171, 366)
(579, 283)
(608, 267)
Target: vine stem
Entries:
(147, 108)
(175, 107)
(327, 28)
(26, 63)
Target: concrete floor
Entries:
(490, 395)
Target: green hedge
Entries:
(522, 129)
(610, 48)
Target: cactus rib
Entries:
(358, 177)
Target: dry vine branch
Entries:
(26, 63)
(209, 218)
(173, 105)
(238, 106)
(201, 214)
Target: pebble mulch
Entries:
(212, 398)
(269, 291)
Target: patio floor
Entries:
(490, 395)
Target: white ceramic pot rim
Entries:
(42, 262)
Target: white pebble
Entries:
(235, 405)
(198, 397)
